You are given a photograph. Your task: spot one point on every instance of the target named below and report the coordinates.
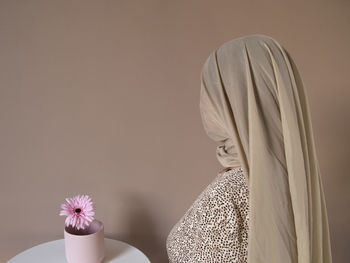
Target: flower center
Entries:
(78, 210)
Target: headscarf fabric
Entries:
(253, 103)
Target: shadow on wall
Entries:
(142, 230)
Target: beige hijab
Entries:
(254, 104)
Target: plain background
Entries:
(102, 98)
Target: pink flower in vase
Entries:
(79, 211)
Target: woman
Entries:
(270, 206)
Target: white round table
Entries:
(54, 252)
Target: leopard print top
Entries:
(215, 227)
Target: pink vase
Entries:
(85, 246)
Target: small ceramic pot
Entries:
(85, 245)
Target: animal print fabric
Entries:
(215, 227)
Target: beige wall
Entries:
(102, 98)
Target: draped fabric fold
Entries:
(253, 103)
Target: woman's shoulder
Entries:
(233, 176)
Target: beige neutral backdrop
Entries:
(102, 98)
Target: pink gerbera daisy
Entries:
(79, 211)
